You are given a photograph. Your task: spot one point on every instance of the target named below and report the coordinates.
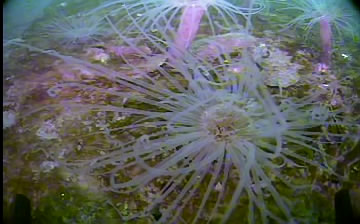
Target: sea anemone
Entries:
(191, 141)
(77, 29)
(179, 20)
(199, 129)
(204, 133)
(331, 15)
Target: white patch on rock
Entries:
(9, 119)
(47, 131)
(47, 166)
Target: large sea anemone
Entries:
(178, 21)
(206, 132)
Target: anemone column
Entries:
(326, 35)
(189, 26)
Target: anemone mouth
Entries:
(225, 121)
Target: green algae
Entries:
(73, 205)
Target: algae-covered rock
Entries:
(279, 69)
(213, 47)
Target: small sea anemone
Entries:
(331, 15)
(338, 13)
(75, 29)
